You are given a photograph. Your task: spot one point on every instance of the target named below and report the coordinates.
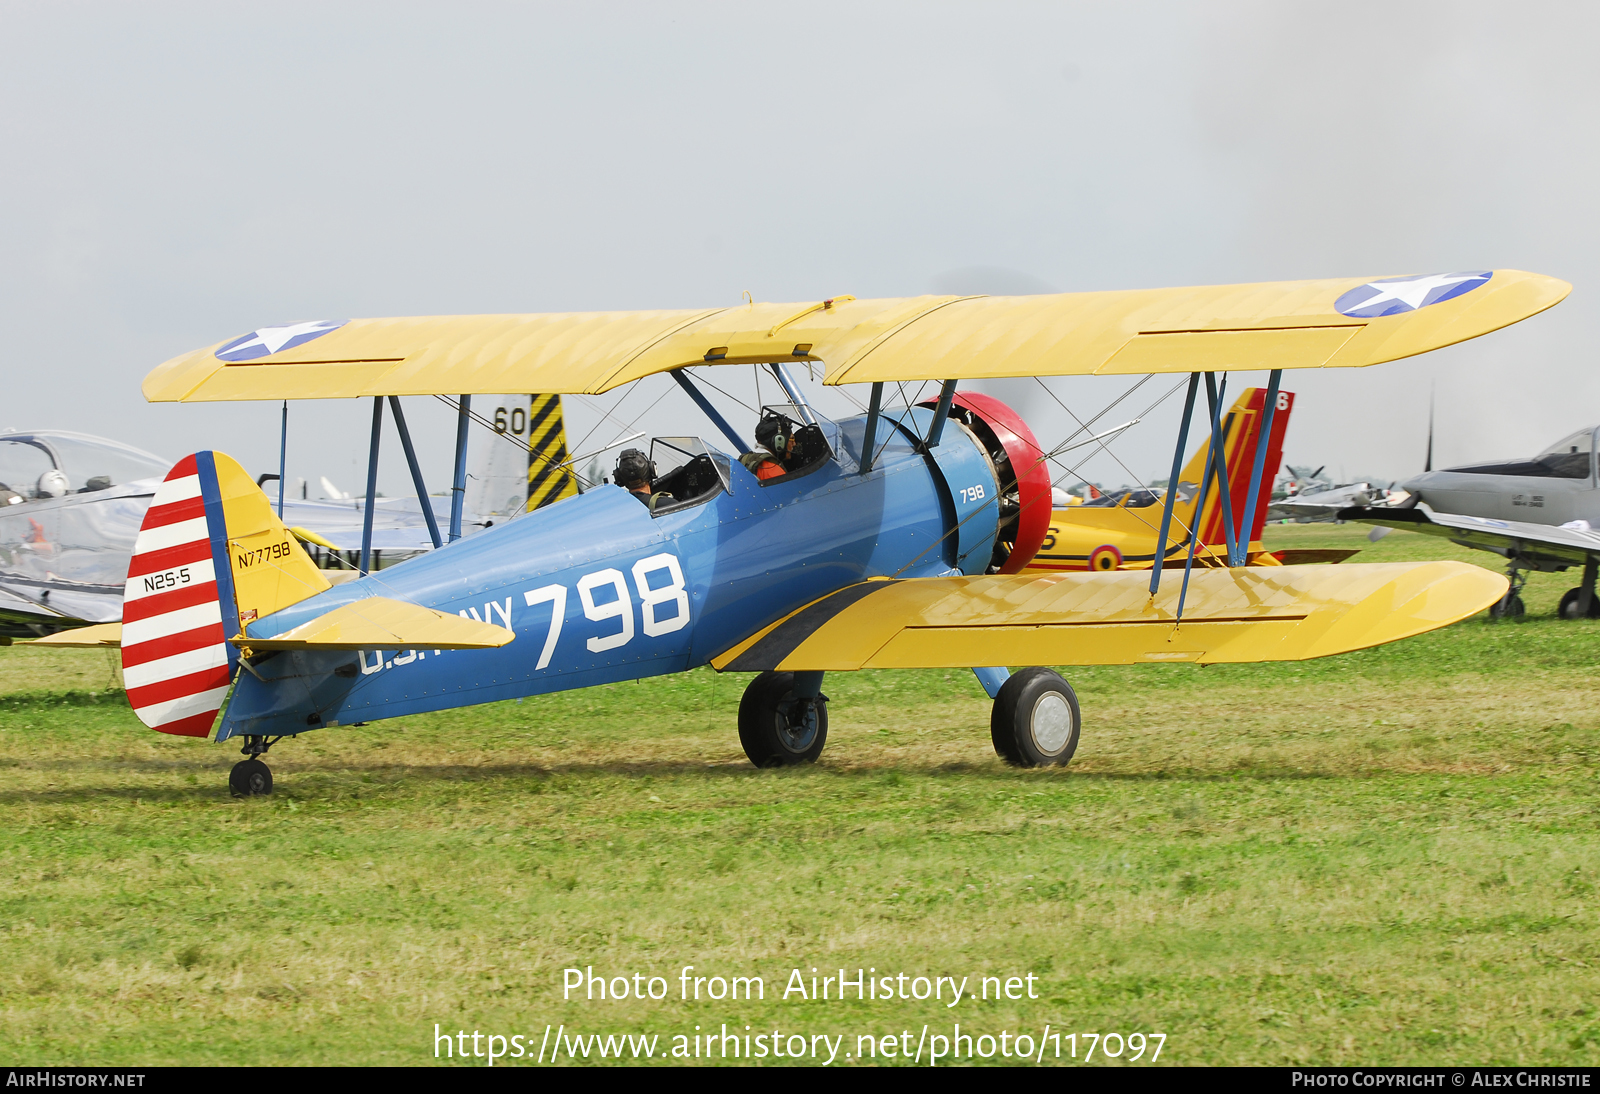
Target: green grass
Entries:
(1386, 857)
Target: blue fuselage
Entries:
(598, 590)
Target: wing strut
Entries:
(793, 392)
(416, 471)
(1205, 489)
(372, 483)
(1263, 438)
(283, 456)
(710, 411)
(1219, 460)
(1172, 489)
(871, 438)
(458, 484)
(940, 413)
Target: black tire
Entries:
(1569, 605)
(1510, 607)
(1035, 720)
(766, 728)
(250, 778)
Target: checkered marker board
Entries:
(175, 657)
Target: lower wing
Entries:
(1286, 613)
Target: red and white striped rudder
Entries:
(176, 661)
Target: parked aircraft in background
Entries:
(1325, 502)
(70, 507)
(1539, 514)
(1298, 480)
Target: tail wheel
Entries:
(778, 728)
(1035, 720)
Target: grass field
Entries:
(1385, 857)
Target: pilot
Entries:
(636, 474)
(774, 434)
(53, 484)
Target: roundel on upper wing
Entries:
(1394, 295)
(269, 340)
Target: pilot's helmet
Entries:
(53, 484)
(773, 431)
(633, 468)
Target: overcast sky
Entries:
(174, 175)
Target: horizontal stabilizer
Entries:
(311, 537)
(1278, 613)
(378, 623)
(101, 636)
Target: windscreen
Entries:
(22, 464)
(87, 463)
(828, 442)
(1568, 458)
(670, 454)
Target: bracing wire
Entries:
(515, 440)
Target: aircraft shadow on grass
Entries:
(327, 787)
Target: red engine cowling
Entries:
(1024, 479)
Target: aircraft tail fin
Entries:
(549, 477)
(211, 556)
(524, 468)
(1241, 429)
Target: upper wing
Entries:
(1286, 324)
(1286, 613)
(1533, 542)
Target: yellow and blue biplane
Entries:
(892, 539)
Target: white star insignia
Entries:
(275, 338)
(1412, 292)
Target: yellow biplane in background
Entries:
(897, 538)
(1117, 530)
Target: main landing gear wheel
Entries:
(1569, 605)
(1035, 720)
(778, 728)
(250, 778)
